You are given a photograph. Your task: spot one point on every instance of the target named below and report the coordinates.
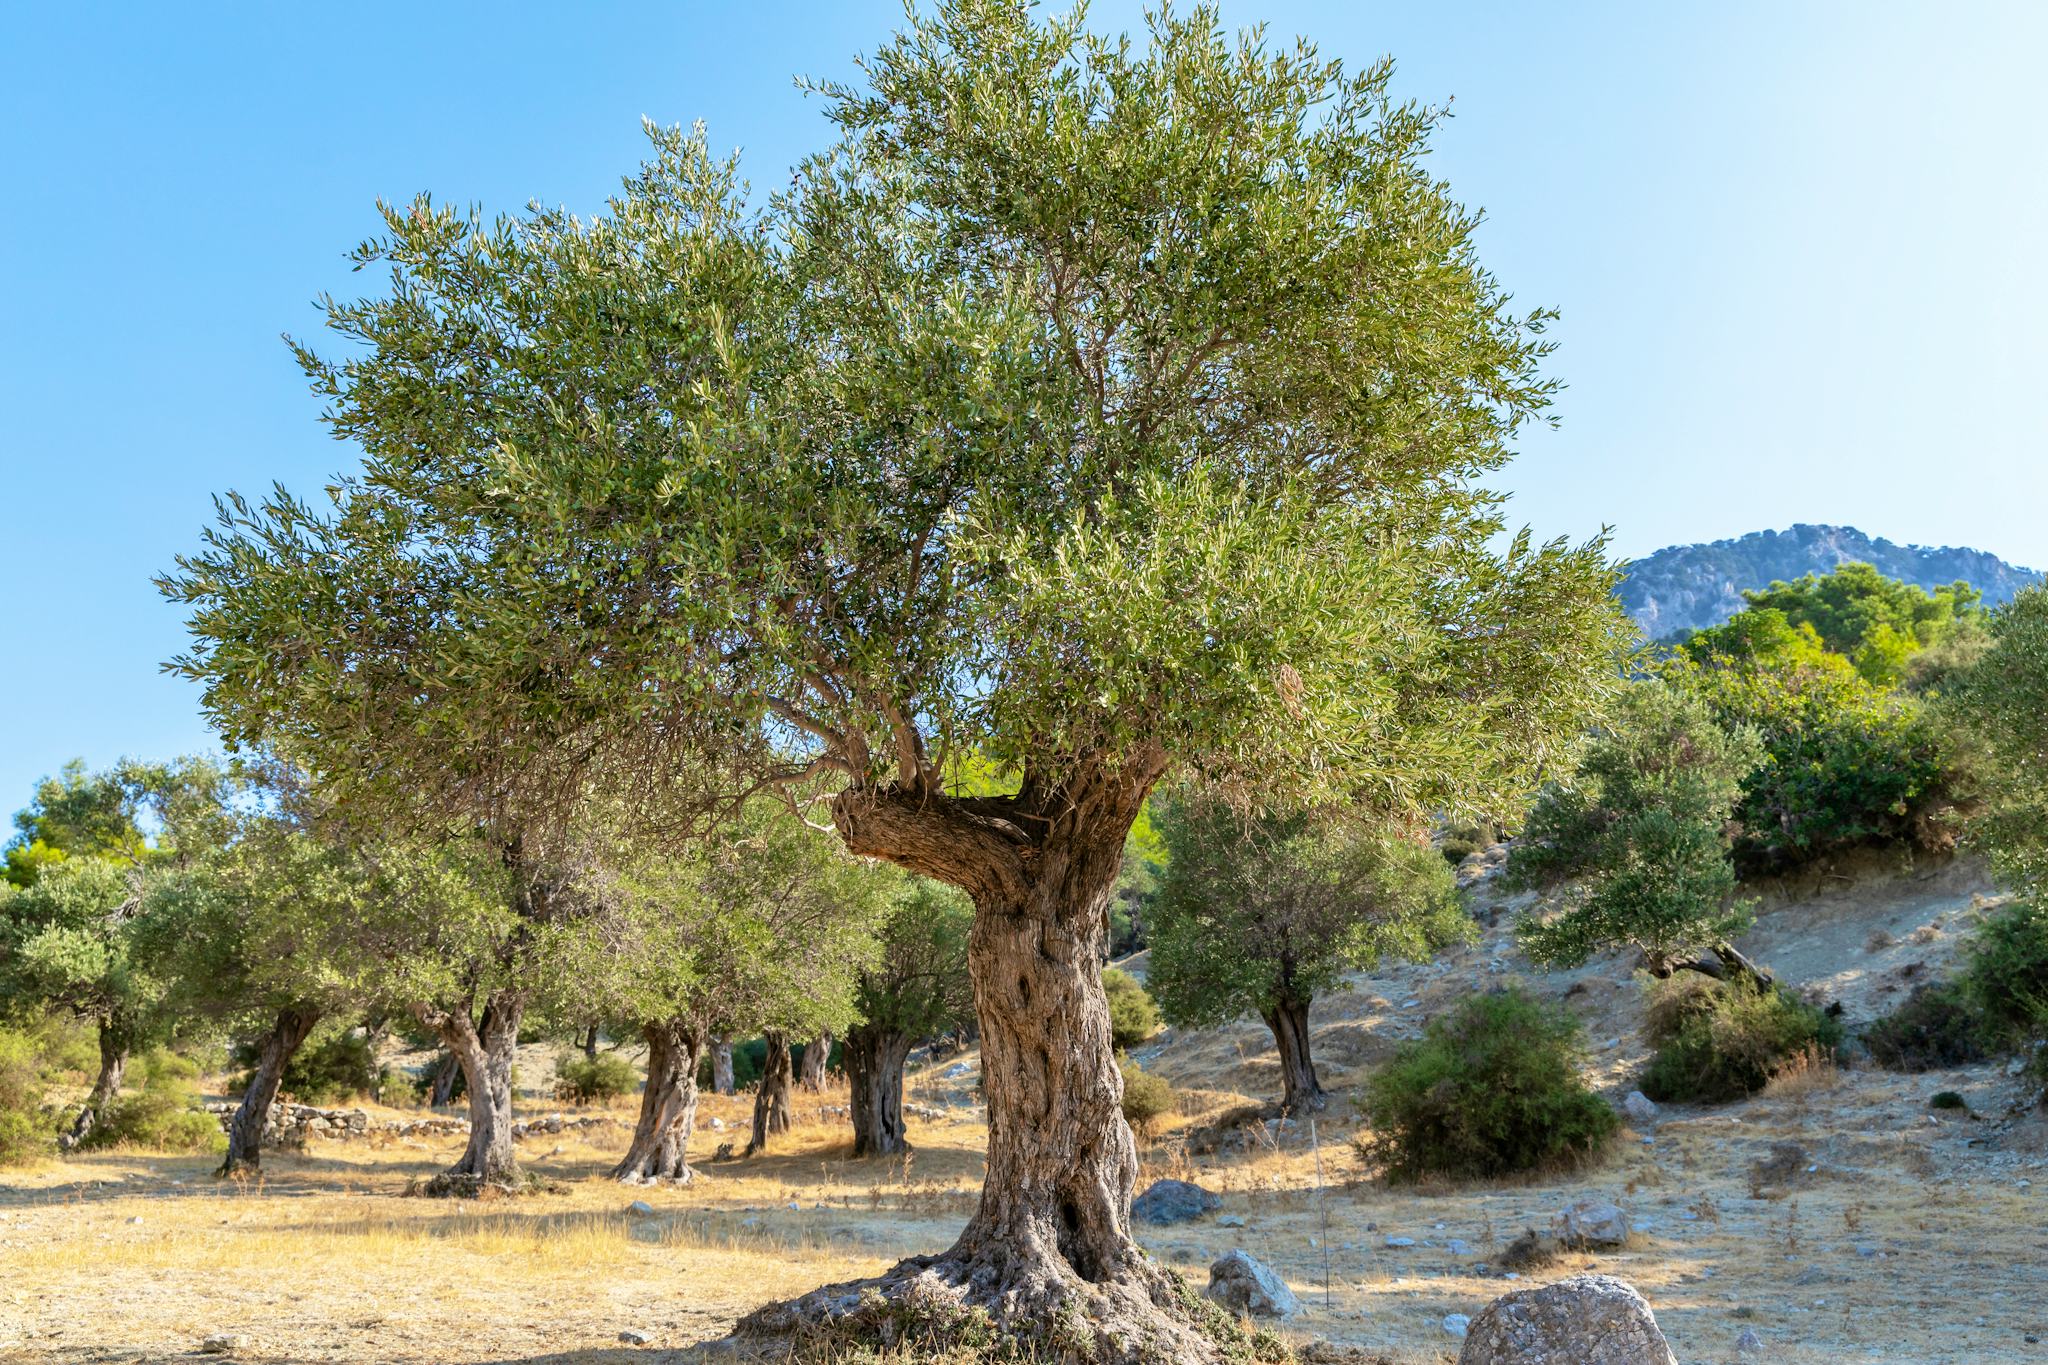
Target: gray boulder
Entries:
(1172, 1201)
(1245, 1285)
(1640, 1108)
(1591, 1223)
(1585, 1320)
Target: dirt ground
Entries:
(1898, 1234)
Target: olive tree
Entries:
(1262, 916)
(917, 989)
(1639, 836)
(1104, 410)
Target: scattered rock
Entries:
(1245, 1285)
(1230, 1220)
(1591, 1223)
(1400, 1241)
(1173, 1201)
(1457, 1324)
(221, 1344)
(1460, 1247)
(1639, 1107)
(633, 1338)
(1749, 1345)
(640, 1208)
(1585, 1320)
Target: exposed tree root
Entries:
(965, 1307)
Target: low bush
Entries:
(1935, 1027)
(1722, 1040)
(1456, 851)
(1132, 1016)
(1146, 1097)
(1491, 1089)
(163, 1115)
(2005, 975)
(595, 1080)
(25, 1130)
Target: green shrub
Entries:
(1947, 1099)
(1489, 1090)
(1456, 851)
(1721, 1040)
(338, 1067)
(163, 1115)
(25, 1131)
(1146, 1096)
(1935, 1027)
(595, 1080)
(1132, 1016)
(2005, 975)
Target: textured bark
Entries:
(1049, 1250)
(1302, 1092)
(485, 1051)
(245, 1130)
(810, 1074)
(590, 1044)
(874, 1066)
(668, 1106)
(771, 1099)
(106, 1087)
(721, 1065)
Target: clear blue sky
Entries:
(1799, 249)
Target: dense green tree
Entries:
(916, 989)
(1877, 623)
(1640, 837)
(1259, 917)
(2003, 702)
(67, 938)
(1102, 409)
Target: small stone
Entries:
(1243, 1284)
(633, 1338)
(1749, 1345)
(1230, 1220)
(1460, 1247)
(1173, 1201)
(1400, 1241)
(1457, 1324)
(135, 1220)
(1866, 1251)
(640, 1208)
(1591, 1223)
(221, 1344)
(1639, 1107)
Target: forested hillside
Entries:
(1684, 588)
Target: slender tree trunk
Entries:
(771, 1100)
(442, 1093)
(106, 1087)
(721, 1064)
(485, 1052)
(245, 1130)
(874, 1066)
(668, 1106)
(1302, 1092)
(590, 1044)
(810, 1075)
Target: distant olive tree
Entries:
(2003, 703)
(1638, 838)
(1261, 916)
(917, 989)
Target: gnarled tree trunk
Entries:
(1050, 1249)
(810, 1072)
(874, 1066)
(668, 1106)
(442, 1091)
(590, 1044)
(245, 1130)
(771, 1100)
(1301, 1091)
(485, 1051)
(106, 1086)
(721, 1064)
